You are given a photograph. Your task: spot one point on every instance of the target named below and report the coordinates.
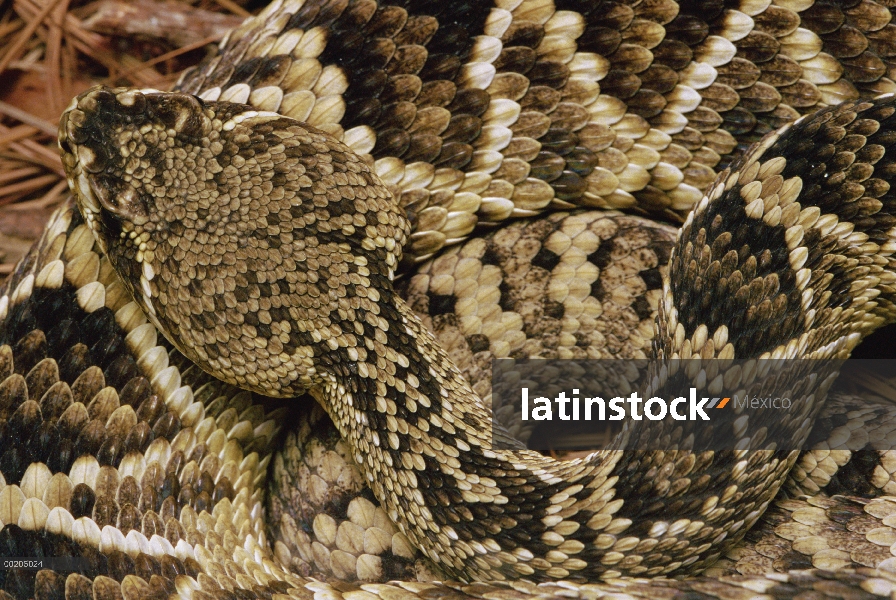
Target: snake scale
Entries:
(263, 241)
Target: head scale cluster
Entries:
(248, 227)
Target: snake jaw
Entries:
(229, 225)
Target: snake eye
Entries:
(182, 113)
(131, 102)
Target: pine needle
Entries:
(48, 54)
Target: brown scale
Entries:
(13, 393)
(848, 36)
(105, 511)
(74, 362)
(30, 350)
(88, 385)
(781, 72)
(845, 42)
(41, 377)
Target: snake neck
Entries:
(423, 440)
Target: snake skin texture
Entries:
(469, 114)
(473, 113)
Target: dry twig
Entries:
(177, 24)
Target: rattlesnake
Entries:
(64, 276)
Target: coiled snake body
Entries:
(265, 251)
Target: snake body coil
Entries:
(265, 251)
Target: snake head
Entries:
(113, 144)
(232, 228)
